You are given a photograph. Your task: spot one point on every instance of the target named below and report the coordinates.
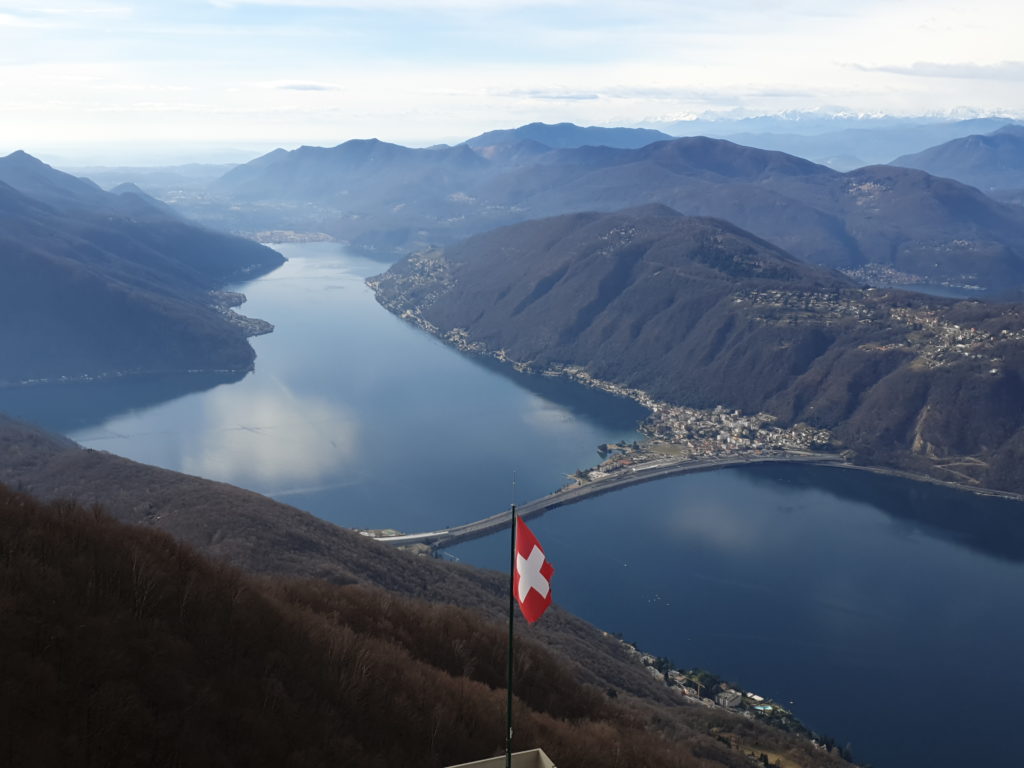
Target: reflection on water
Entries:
(272, 438)
(717, 526)
(546, 415)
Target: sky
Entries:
(254, 74)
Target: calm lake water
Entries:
(887, 612)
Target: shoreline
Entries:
(459, 339)
(920, 478)
(118, 375)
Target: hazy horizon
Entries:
(196, 151)
(255, 74)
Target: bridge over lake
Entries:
(640, 473)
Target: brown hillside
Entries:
(124, 647)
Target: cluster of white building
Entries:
(722, 431)
(821, 305)
(723, 696)
(938, 342)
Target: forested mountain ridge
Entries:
(393, 199)
(698, 313)
(96, 283)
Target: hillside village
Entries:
(700, 687)
(924, 329)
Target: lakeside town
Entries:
(703, 688)
(695, 433)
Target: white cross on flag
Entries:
(531, 581)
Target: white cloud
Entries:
(84, 10)
(287, 85)
(1005, 70)
(49, 16)
(398, 5)
(12, 21)
(550, 94)
(321, 71)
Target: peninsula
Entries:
(702, 323)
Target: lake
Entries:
(888, 612)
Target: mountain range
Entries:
(696, 312)
(394, 199)
(107, 283)
(993, 161)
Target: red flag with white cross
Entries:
(531, 580)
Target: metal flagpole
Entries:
(511, 615)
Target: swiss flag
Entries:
(531, 580)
